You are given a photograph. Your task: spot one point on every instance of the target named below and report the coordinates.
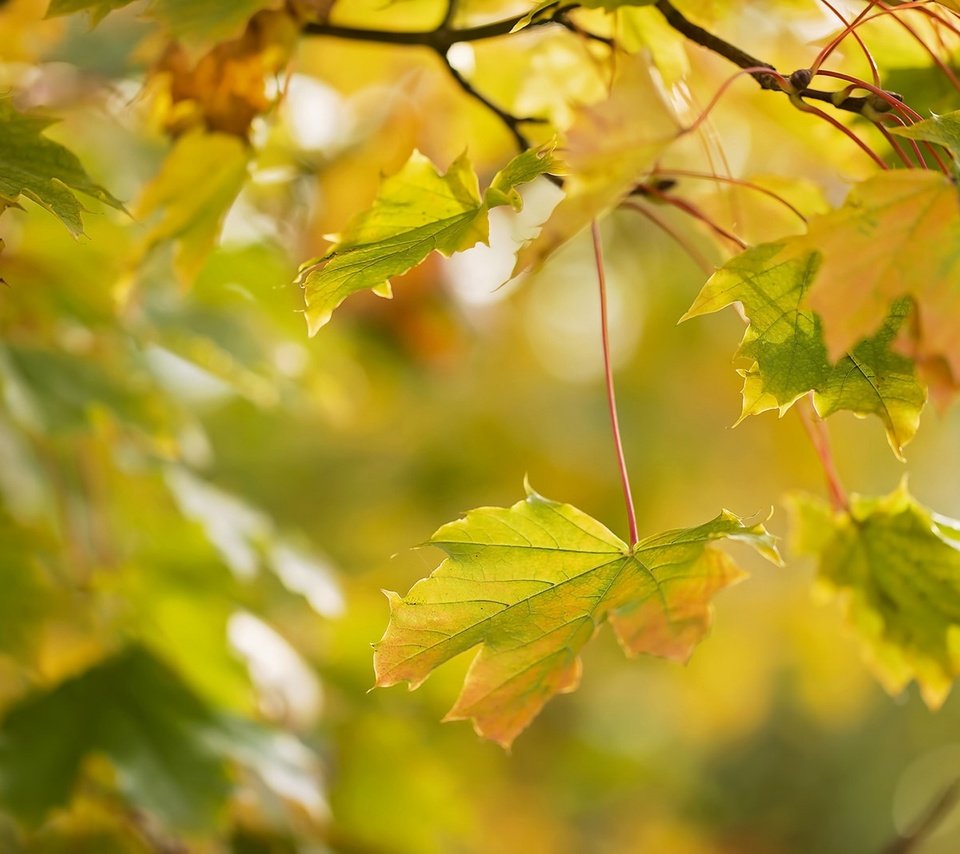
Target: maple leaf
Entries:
(44, 171)
(897, 234)
(195, 187)
(943, 130)
(607, 149)
(895, 565)
(784, 343)
(531, 584)
(417, 211)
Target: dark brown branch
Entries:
(742, 59)
(440, 39)
(714, 43)
(511, 121)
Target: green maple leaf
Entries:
(896, 567)
(531, 584)
(42, 170)
(784, 343)
(417, 211)
(943, 130)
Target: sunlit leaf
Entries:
(896, 567)
(897, 234)
(417, 211)
(197, 184)
(788, 359)
(531, 584)
(607, 149)
(33, 166)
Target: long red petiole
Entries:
(738, 182)
(874, 71)
(820, 439)
(758, 69)
(696, 256)
(834, 43)
(611, 394)
(895, 145)
(899, 106)
(802, 105)
(696, 213)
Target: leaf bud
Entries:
(801, 78)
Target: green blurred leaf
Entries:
(141, 716)
(209, 20)
(27, 593)
(531, 584)
(944, 130)
(98, 9)
(895, 565)
(784, 342)
(42, 170)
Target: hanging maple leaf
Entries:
(417, 211)
(532, 583)
(784, 343)
(607, 149)
(896, 567)
(897, 234)
(42, 170)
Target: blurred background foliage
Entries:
(200, 505)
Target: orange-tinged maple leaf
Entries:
(897, 234)
(226, 88)
(531, 584)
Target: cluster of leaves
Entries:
(858, 312)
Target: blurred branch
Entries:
(928, 822)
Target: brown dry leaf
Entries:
(226, 89)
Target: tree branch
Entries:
(441, 38)
(511, 121)
(742, 59)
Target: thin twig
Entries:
(511, 121)
(611, 394)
